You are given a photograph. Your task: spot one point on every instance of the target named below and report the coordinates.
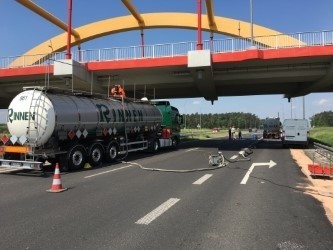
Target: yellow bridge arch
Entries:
(91, 31)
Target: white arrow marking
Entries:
(247, 175)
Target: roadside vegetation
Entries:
(323, 135)
(199, 134)
(222, 121)
(3, 129)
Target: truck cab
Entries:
(171, 124)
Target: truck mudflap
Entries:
(17, 165)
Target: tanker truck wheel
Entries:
(96, 153)
(111, 151)
(154, 146)
(175, 143)
(76, 157)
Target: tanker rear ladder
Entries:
(34, 124)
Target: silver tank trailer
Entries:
(38, 115)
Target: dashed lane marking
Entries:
(157, 211)
(105, 172)
(8, 170)
(192, 149)
(202, 179)
(233, 157)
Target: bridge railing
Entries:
(320, 38)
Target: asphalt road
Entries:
(122, 206)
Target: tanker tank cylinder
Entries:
(31, 114)
(67, 116)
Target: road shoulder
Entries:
(321, 189)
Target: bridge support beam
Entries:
(70, 69)
(199, 63)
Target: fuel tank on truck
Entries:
(38, 115)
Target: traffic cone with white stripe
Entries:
(56, 184)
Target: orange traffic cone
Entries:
(56, 184)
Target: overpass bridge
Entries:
(268, 63)
(229, 67)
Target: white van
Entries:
(295, 131)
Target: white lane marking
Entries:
(192, 149)
(233, 157)
(113, 170)
(202, 179)
(8, 170)
(247, 175)
(157, 211)
(270, 164)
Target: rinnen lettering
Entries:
(118, 115)
(20, 116)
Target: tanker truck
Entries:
(48, 125)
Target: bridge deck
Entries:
(162, 71)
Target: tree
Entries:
(237, 119)
(323, 119)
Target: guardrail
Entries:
(319, 38)
(321, 161)
(324, 151)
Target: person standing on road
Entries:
(239, 134)
(233, 130)
(229, 133)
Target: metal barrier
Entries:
(319, 38)
(321, 161)
(324, 151)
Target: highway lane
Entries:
(123, 207)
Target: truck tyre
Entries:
(76, 157)
(95, 155)
(155, 146)
(111, 152)
(62, 161)
(174, 143)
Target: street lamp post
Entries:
(200, 118)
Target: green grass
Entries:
(200, 134)
(323, 135)
(3, 129)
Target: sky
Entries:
(21, 30)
